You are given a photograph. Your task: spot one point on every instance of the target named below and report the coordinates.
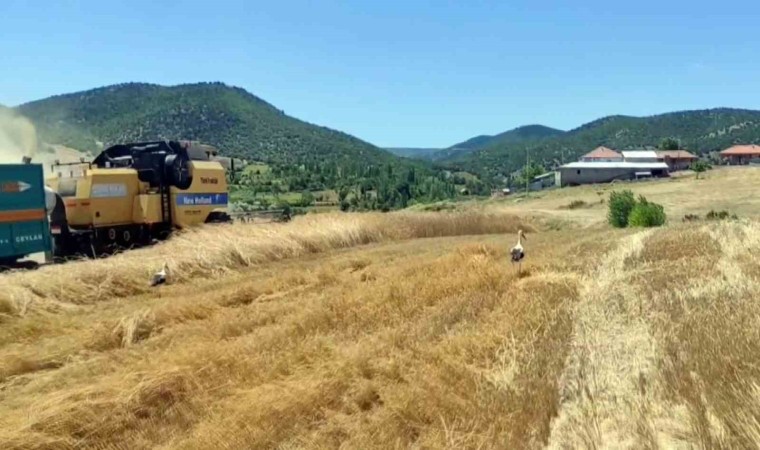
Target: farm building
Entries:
(544, 181)
(676, 159)
(577, 173)
(602, 154)
(741, 154)
(640, 156)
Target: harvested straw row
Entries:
(216, 250)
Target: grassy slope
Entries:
(630, 338)
(727, 188)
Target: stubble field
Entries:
(401, 330)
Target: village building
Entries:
(640, 156)
(547, 180)
(741, 154)
(602, 154)
(582, 172)
(677, 159)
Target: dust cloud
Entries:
(18, 138)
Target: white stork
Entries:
(518, 252)
(160, 276)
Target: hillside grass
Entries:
(402, 330)
(725, 188)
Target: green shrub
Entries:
(624, 210)
(620, 206)
(438, 207)
(716, 215)
(646, 214)
(720, 215)
(576, 204)
(700, 166)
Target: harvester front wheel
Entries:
(6, 263)
(218, 217)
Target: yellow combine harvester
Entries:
(131, 194)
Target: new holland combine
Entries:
(129, 195)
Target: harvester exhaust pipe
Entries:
(26, 160)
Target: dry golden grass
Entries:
(724, 188)
(349, 331)
(667, 344)
(220, 250)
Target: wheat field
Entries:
(400, 330)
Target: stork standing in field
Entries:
(518, 252)
(160, 276)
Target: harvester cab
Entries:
(131, 194)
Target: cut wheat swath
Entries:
(216, 251)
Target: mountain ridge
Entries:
(301, 159)
(246, 126)
(518, 134)
(412, 152)
(240, 123)
(522, 133)
(700, 131)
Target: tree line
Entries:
(358, 186)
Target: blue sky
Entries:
(400, 73)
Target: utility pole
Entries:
(527, 171)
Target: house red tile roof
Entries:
(741, 150)
(676, 154)
(602, 153)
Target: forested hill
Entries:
(520, 134)
(413, 152)
(292, 157)
(700, 131)
(237, 122)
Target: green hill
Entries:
(413, 152)
(300, 157)
(239, 123)
(518, 135)
(700, 131)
